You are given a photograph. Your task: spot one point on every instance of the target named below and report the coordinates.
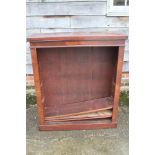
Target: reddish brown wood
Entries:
(73, 72)
(37, 86)
(94, 43)
(76, 74)
(85, 116)
(78, 125)
(74, 36)
(79, 107)
(118, 82)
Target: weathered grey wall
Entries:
(47, 16)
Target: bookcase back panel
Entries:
(71, 75)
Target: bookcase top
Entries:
(76, 36)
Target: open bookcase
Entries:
(77, 79)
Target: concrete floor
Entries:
(83, 142)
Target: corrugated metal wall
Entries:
(47, 16)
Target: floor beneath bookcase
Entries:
(82, 142)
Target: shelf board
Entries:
(87, 116)
(79, 108)
(94, 121)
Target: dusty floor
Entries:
(84, 142)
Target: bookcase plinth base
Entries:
(76, 126)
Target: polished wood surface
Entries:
(85, 43)
(38, 92)
(118, 82)
(77, 75)
(79, 107)
(73, 75)
(75, 36)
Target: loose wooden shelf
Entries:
(80, 107)
(77, 79)
(87, 116)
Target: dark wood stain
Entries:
(77, 73)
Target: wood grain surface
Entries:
(77, 84)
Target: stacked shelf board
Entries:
(95, 109)
(77, 78)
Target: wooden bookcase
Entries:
(77, 79)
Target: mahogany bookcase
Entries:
(77, 79)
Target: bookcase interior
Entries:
(77, 83)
